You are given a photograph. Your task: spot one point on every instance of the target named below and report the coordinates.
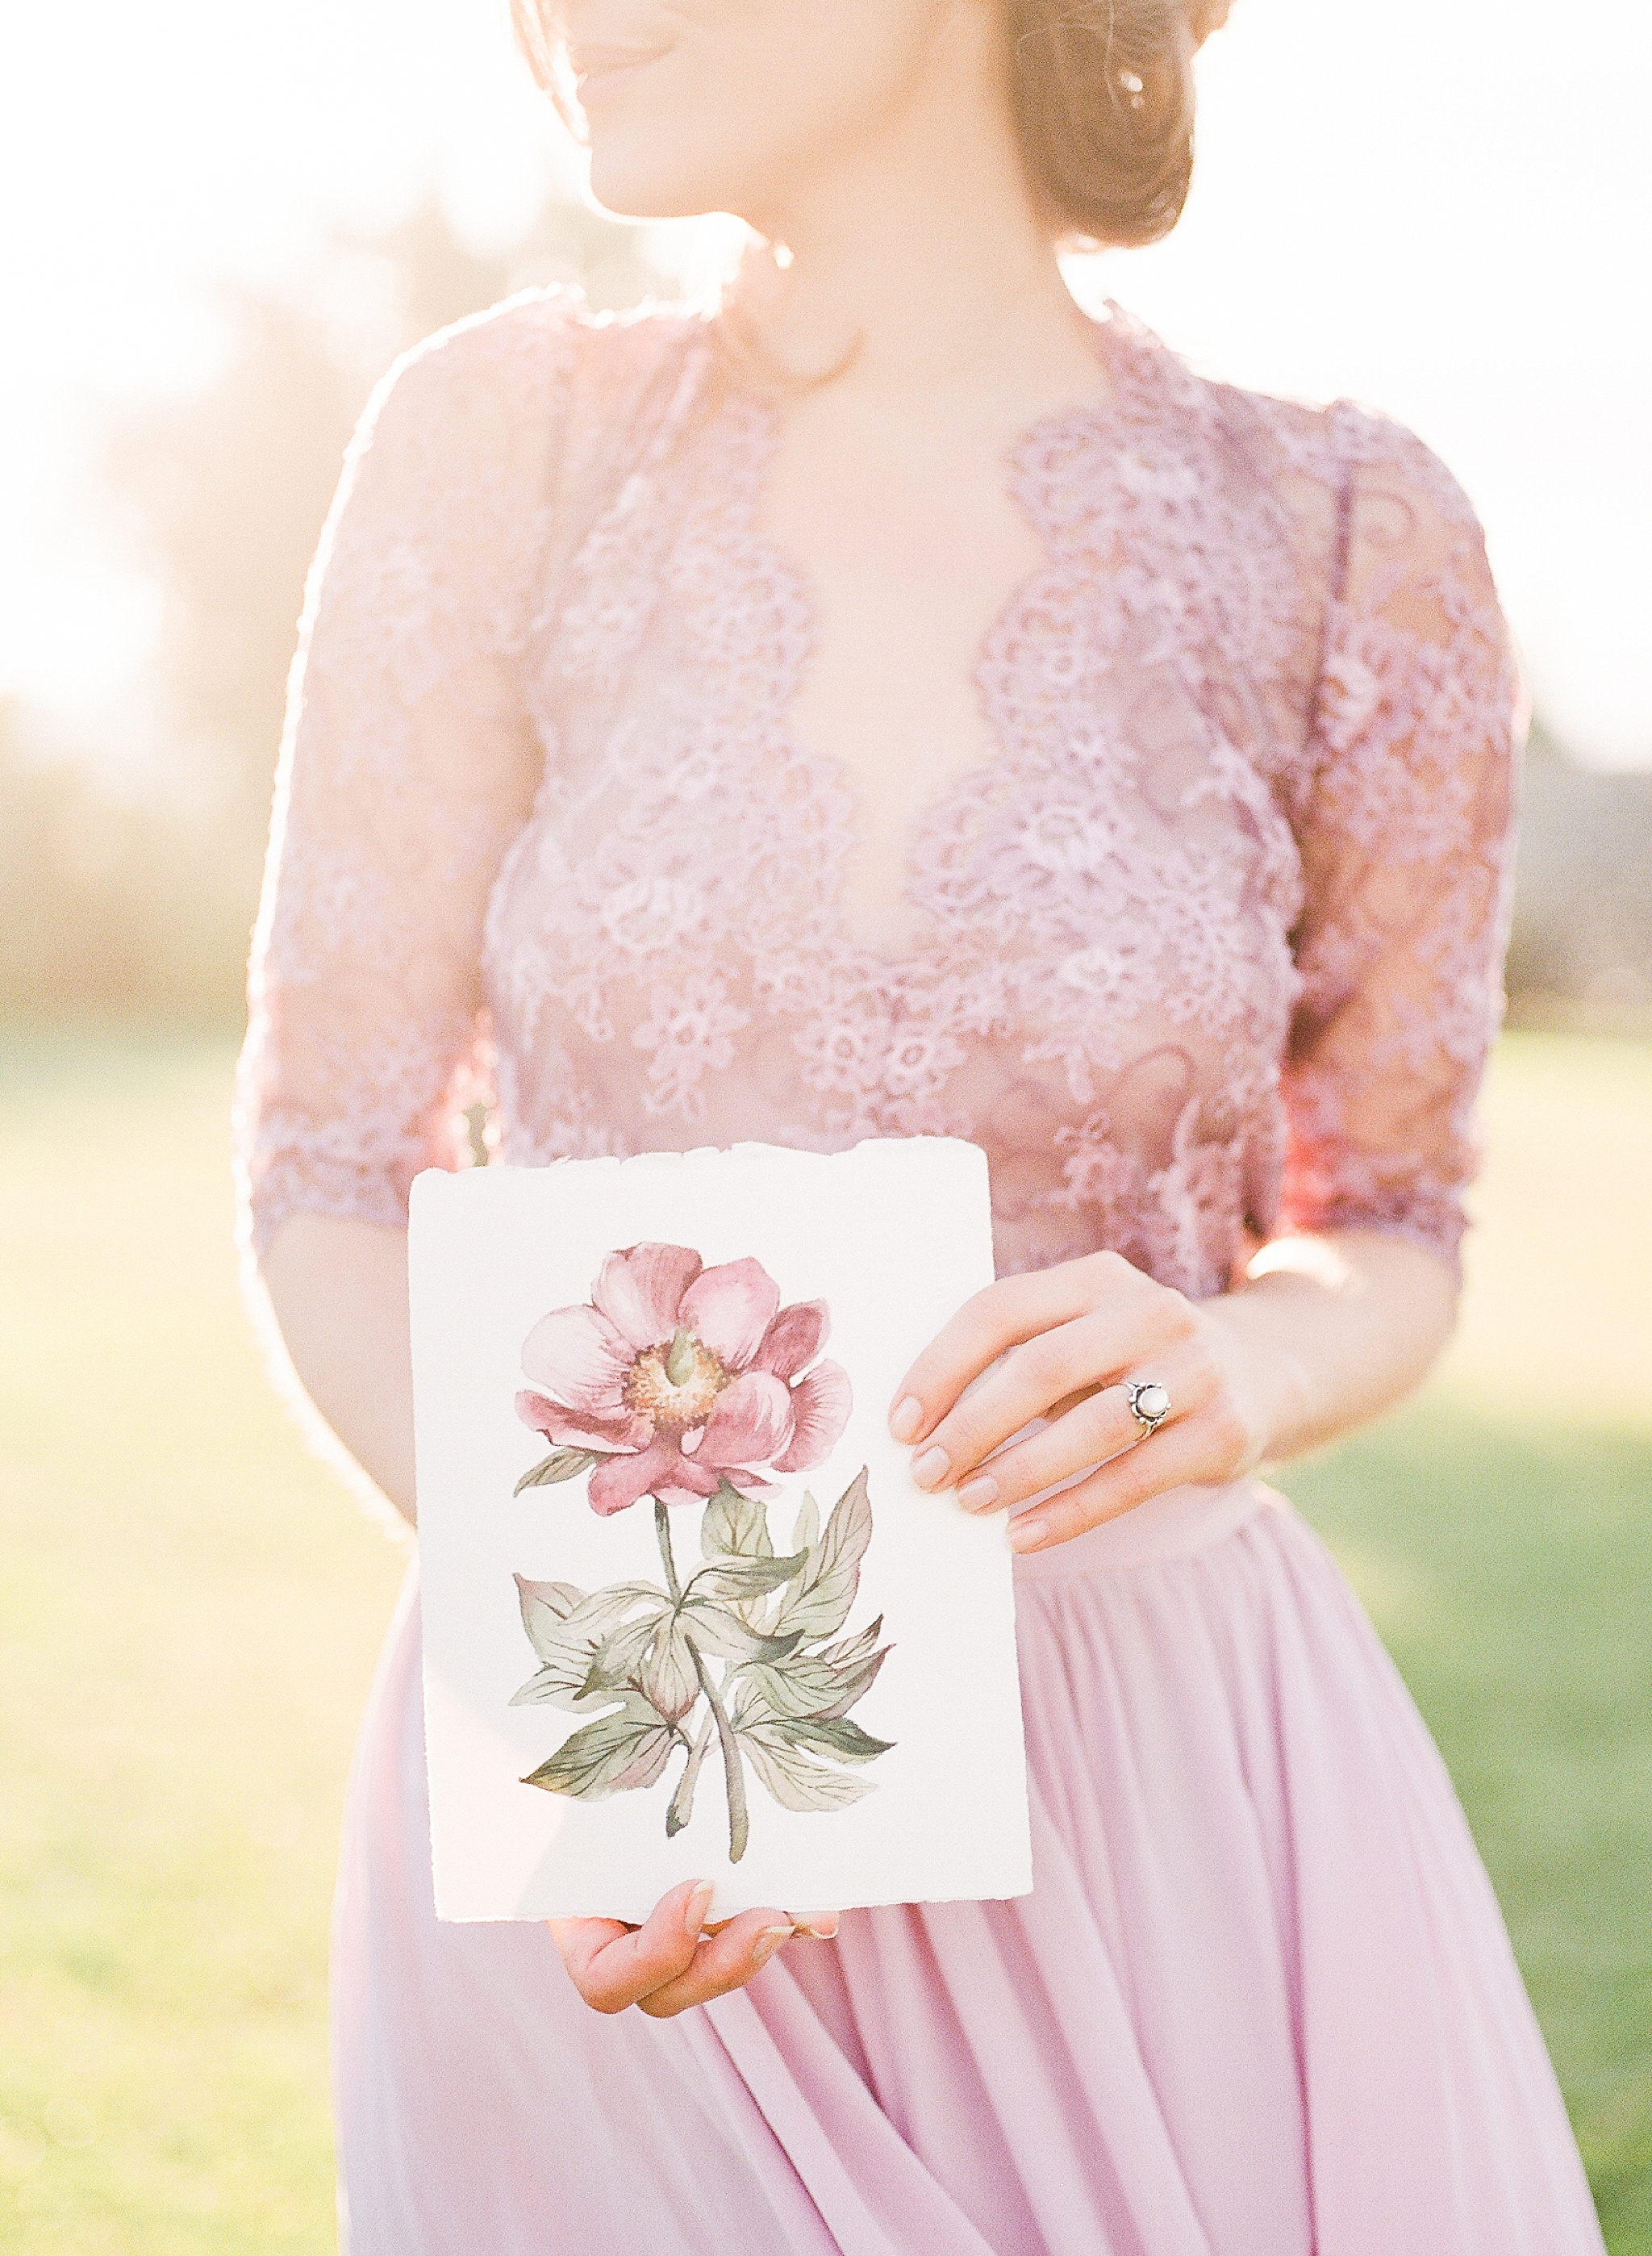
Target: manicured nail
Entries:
(769, 1941)
(818, 1926)
(906, 1420)
(930, 1469)
(695, 1909)
(1026, 1533)
(977, 1494)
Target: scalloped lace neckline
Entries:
(841, 803)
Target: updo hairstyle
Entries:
(1102, 95)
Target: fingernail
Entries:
(695, 1909)
(977, 1494)
(906, 1420)
(818, 1926)
(1026, 1534)
(930, 1469)
(769, 1941)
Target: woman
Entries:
(898, 704)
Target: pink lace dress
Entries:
(1207, 950)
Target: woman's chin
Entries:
(629, 181)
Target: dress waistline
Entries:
(1173, 1525)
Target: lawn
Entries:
(190, 1611)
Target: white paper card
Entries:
(827, 1645)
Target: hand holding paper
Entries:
(719, 1554)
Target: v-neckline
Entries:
(796, 594)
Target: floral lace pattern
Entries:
(1209, 948)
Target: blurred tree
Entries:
(116, 910)
(1581, 947)
(111, 910)
(224, 494)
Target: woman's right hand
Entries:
(673, 1960)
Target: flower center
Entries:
(677, 1385)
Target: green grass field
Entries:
(190, 1607)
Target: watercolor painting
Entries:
(685, 1612)
(692, 1387)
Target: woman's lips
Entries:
(600, 69)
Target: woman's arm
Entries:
(1342, 1326)
(338, 1290)
(408, 766)
(1403, 817)
(1325, 1333)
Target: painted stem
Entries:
(682, 1807)
(734, 1769)
(662, 1530)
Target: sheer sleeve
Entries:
(1405, 828)
(407, 764)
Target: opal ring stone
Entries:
(1150, 1403)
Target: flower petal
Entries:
(640, 1291)
(820, 1405)
(750, 1423)
(689, 1483)
(795, 1336)
(580, 1359)
(620, 1482)
(730, 1307)
(567, 1429)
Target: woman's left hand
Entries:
(1080, 1334)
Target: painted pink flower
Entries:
(678, 1378)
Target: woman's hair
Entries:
(539, 37)
(1102, 93)
(1102, 96)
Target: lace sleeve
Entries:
(1405, 835)
(407, 764)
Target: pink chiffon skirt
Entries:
(1259, 2003)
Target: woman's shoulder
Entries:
(1341, 445)
(1364, 453)
(517, 374)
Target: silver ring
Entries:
(1150, 1403)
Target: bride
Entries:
(893, 702)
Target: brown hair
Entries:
(539, 37)
(1102, 95)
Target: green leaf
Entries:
(834, 1735)
(852, 1649)
(806, 1684)
(562, 1681)
(544, 1605)
(795, 1779)
(616, 1660)
(574, 1649)
(682, 1805)
(729, 1580)
(669, 1679)
(806, 1532)
(718, 1631)
(549, 1689)
(606, 1606)
(735, 1527)
(820, 1605)
(615, 1755)
(560, 1465)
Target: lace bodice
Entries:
(1207, 949)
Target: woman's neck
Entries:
(916, 262)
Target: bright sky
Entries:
(1443, 207)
